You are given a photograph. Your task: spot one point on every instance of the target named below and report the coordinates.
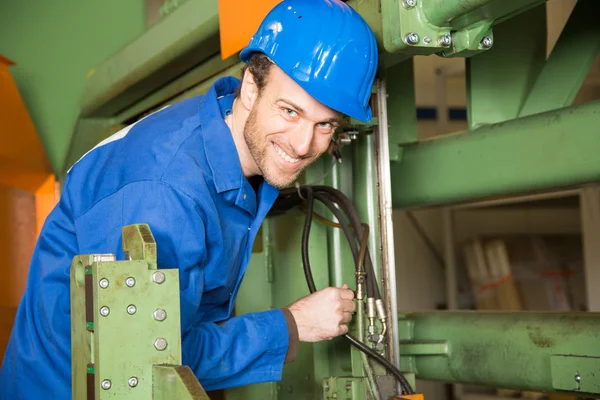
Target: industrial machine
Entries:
(523, 136)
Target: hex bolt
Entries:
(103, 283)
(578, 378)
(160, 314)
(131, 309)
(426, 40)
(411, 38)
(348, 386)
(408, 4)
(133, 381)
(130, 282)
(106, 384)
(445, 40)
(104, 311)
(160, 344)
(487, 42)
(327, 386)
(158, 277)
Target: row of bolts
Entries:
(412, 38)
(159, 314)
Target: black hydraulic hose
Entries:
(352, 214)
(312, 288)
(359, 254)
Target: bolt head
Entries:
(158, 277)
(160, 344)
(104, 311)
(445, 40)
(103, 283)
(487, 42)
(131, 309)
(106, 384)
(411, 38)
(577, 378)
(160, 314)
(130, 282)
(133, 381)
(427, 40)
(409, 4)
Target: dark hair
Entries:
(259, 66)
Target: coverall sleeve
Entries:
(245, 349)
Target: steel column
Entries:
(528, 351)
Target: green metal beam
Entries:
(528, 351)
(540, 152)
(570, 61)
(499, 80)
(168, 49)
(463, 13)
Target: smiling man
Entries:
(203, 173)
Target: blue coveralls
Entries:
(177, 170)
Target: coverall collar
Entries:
(221, 153)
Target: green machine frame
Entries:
(524, 136)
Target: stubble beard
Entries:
(257, 146)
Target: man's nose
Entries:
(301, 140)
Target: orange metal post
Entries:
(238, 20)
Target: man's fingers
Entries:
(348, 306)
(343, 329)
(346, 294)
(347, 317)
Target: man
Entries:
(203, 173)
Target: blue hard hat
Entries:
(326, 47)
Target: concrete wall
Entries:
(55, 44)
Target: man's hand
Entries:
(323, 314)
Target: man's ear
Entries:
(248, 91)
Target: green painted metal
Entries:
(499, 81)
(527, 351)
(168, 49)
(107, 295)
(442, 13)
(569, 63)
(585, 379)
(54, 46)
(189, 80)
(462, 13)
(402, 118)
(540, 152)
(176, 382)
(349, 388)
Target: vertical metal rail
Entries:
(384, 189)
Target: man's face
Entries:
(287, 129)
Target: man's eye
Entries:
(325, 125)
(291, 112)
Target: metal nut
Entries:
(131, 309)
(487, 42)
(133, 381)
(408, 4)
(104, 311)
(578, 378)
(130, 282)
(160, 344)
(411, 38)
(158, 277)
(103, 283)
(160, 314)
(445, 40)
(106, 384)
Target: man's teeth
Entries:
(285, 156)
